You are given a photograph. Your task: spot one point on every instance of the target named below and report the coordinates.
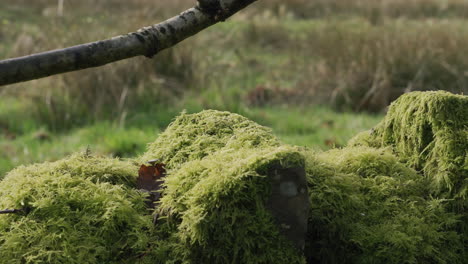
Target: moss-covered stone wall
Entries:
(395, 194)
(218, 188)
(217, 205)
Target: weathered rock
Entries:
(289, 202)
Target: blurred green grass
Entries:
(316, 127)
(316, 72)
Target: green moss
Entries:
(217, 188)
(86, 209)
(220, 209)
(367, 207)
(368, 204)
(429, 132)
(365, 138)
(194, 136)
(82, 210)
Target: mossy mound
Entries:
(367, 207)
(220, 210)
(194, 136)
(369, 202)
(215, 203)
(428, 131)
(216, 207)
(82, 209)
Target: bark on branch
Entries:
(147, 41)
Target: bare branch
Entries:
(147, 41)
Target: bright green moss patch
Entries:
(194, 136)
(217, 190)
(82, 210)
(429, 132)
(366, 207)
(220, 208)
(95, 169)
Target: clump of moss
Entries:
(220, 210)
(194, 136)
(367, 207)
(217, 189)
(82, 209)
(429, 132)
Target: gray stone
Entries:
(289, 202)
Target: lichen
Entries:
(82, 209)
(367, 207)
(428, 131)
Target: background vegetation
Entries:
(317, 72)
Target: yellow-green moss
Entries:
(82, 210)
(194, 136)
(429, 132)
(219, 205)
(366, 207)
(216, 190)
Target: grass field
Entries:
(316, 72)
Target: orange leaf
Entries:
(150, 180)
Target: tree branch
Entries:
(147, 41)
